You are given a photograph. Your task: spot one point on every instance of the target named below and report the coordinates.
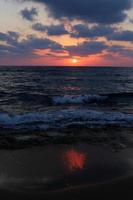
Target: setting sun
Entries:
(74, 60)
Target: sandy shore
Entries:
(66, 172)
(122, 188)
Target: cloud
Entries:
(99, 11)
(5, 50)
(53, 30)
(111, 33)
(15, 47)
(39, 27)
(29, 14)
(121, 36)
(83, 31)
(10, 37)
(26, 47)
(87, 48)
(56, 30)
(121, 50)
(41, 43)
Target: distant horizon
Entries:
(73, 66)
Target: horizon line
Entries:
(63, 66)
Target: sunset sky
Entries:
(66, 32)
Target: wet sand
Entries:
(114, 190)
(66, 172)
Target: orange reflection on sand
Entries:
(74, 160)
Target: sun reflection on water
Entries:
(71, 88)
(74, 160)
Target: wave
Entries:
(65, 126)
(39, 98)
(64, 118)
(55, 100)
(78, 99)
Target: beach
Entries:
(66, 99)
(66, 171)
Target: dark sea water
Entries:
(64, 127)
(63, 104)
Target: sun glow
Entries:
(74, 61)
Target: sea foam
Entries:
(78, 99)
(63, 118)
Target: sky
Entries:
(66, 32)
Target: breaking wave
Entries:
(63, 118)
(50, 100)
(78, 99)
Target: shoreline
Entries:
(56, 170)
(111, 190)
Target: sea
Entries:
(42, 105)
(63, 129)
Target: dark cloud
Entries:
(121, 50)
(56, 30)
(121, 36)
(82, 30)
(100, 11)
(41, 43)
(53, 30)
(5, 49)
(87, 48)
(29, 14)
(10, 37)
(27, 47)
(4, 36)
(92, 48)
(39, 27)
(15, 47)
(111, 33)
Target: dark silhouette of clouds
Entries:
(29, 14)
(26, 47)
(14, 46)
(5, 50)
(56, 30)
(53, 30)
(39, 27)
(121, 36)
(121, 50)
(87, 48)
(41, 43)
(10, 37)
(100, 11)
(111, 33)
(83, 31)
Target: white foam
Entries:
(65, 117)
(77, 99)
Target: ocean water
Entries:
(41, 105)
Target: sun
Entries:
(74, 60)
